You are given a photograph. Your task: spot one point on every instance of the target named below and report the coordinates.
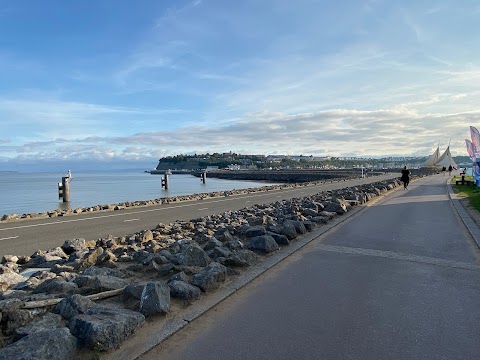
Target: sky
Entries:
(122, 83)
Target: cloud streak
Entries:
(349, 132)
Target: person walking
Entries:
(405, 177)
(450, 168)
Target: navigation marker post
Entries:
(203, 177)
(64, 187)
(165, 181)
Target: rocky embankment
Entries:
(92, 295)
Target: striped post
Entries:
(165, 181)
(64, 189)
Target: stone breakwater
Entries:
(57, 310)
(287, 176)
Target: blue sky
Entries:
(117, 81)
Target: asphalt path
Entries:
(399, 280)
(26, 237)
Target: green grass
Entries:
(471, 192)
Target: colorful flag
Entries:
(475, 139)
(470, 149)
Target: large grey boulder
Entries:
(336, 207)
(288, 229)
(279, 239)
(242, 258)
(194, 255)
(264, 243)
(13, 316)
(100, 283)
(57, 286)
(298, 225)
(212, 243)
(226, 236)
(180, 276)
(46, 322)
(155, 299)
(253, 231)
(219, 251)
(53, 344)
(147, 297)
(73, 305)
(309, 225)
(46, 259)
(234, 244)
(95, 271)
(275, 228)
(309, 212)
(182, 290)
(132, 295)
(105, 328)
(320, 219)
(211, 277)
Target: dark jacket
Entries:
(405, 175)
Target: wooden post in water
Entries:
(165, 181)
(203, 177)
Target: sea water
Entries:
(22, 193)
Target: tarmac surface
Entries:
(398, 278)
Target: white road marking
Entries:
(8, 238)
(232, 198)
(130, 220)
(203, 209)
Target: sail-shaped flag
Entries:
(470, 149)
(473, 149)
(475, 135)
(446, 159)
(432, 159)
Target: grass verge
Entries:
(471, 192)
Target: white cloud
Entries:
(395, 131)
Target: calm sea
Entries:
(22, 193)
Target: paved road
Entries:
(400, 280)
(26, 237)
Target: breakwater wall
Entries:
(302, 176)
(285, 176)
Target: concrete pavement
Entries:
(401, 281)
